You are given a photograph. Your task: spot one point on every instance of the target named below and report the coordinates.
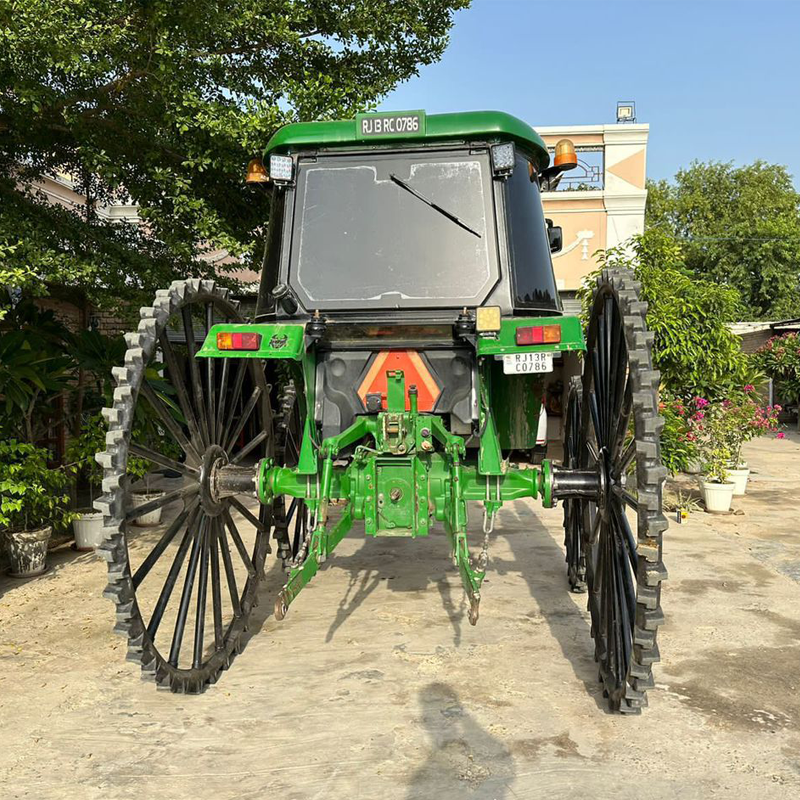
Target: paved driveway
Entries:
(376, 686)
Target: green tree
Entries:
(693, 348)
(738, 226)
(164, 101)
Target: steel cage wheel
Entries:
(293, 522)
(573, 507)
(621, 532)
(184, 600)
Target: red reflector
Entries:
(538, 334)
(532, 335)
(238, 341)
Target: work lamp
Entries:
(503, 158)
(281, 168)
(626, 111)
(487, 319)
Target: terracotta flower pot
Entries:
(27, 551)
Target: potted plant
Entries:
(710, 426)
(87, 525)
(33, 500)
(140, 468)
(747, 419)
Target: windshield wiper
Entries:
(444, 211)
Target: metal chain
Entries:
(302, 553)
(488, 526)
(483, 558)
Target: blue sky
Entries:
(715, 79)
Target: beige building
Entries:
(601, 203)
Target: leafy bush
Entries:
(694, 349)
(95, 355)
(31, 494)
(35, 370)
(81, 451)
(678, 448)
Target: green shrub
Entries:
(32, 495)
(678, 448)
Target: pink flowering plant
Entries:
(720, 429)
(710, 425)
(779, 358)
(749, 420)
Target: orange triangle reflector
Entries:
(415, 371)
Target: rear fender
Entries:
(277, 342)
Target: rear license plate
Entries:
(391, 124)
(515, 363)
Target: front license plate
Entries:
(515, 363)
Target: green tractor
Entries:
(407, 327)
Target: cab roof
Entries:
(461, 126)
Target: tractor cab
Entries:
(388, 233)
(427, 215)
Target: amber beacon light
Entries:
(566, 157)
(256, 173)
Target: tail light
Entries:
(538, 334)
(238, 341)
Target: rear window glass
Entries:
(367, 234)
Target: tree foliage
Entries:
(36, 373)
(116, 263)
(694, 349)
(738, 226)
(163, 102)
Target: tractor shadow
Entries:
(394, 563)
(541, 562)
(405, 566)
(459, 752)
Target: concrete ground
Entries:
(376, 686)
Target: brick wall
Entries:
(753, 340)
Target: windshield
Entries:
(391, 231)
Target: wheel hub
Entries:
(214, 459)
(605, 482)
